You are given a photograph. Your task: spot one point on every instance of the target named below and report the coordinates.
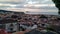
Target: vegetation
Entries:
(57, 3)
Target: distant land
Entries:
(32, 12)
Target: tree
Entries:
(57, 4)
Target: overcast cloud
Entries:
(21, 3)
(27, 5)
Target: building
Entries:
(9, 25)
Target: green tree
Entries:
(57, 4)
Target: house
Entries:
(9, 25)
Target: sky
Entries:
(22, 3)
(27, 5)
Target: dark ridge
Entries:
(19, 13)
(42, 16)
(11, 12)
(5, 11)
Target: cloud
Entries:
(35, 4)
(11, 0)
(26, 1)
